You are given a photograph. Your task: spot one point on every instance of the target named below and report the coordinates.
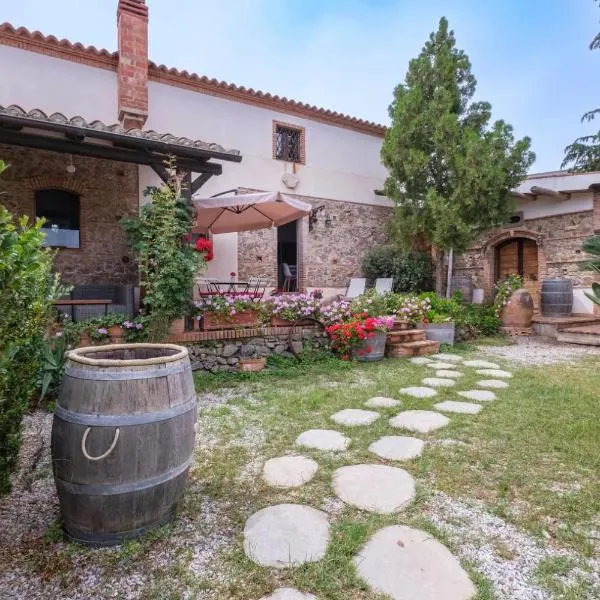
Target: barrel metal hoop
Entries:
(93, 420)
(127, 375)
(123, 488)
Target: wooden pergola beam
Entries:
(542, 191)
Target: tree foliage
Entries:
(450, 170)
(27, 290)
(584, 153)
(167, 262)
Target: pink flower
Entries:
(102, 330)
(58, 334)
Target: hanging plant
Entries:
(205, 245)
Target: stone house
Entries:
(69, 163)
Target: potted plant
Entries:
(438, 318)
(362, 337)
(297, 309)
(224, 312)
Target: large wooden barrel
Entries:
(463, 284)
(122, 439)
(557, 297)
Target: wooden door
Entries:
(519, 257)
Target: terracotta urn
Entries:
(518, 312)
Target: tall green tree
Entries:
(584, 153)
(450, 170)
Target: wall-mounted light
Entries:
(70, 166)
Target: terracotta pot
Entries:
(279, 322)
(177, 326)
(245, 318)
(115, 331)
(252, 364)
(518, 312)
(84, 340)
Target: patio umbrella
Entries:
(246, 212)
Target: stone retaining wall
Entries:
(224, 354)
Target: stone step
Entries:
(587, 335)
(401, 324)
(405, 335)
(418, 348)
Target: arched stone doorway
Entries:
(518, 252)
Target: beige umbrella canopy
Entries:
(246, 212)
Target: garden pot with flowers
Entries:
(513, 304)
(226, 312)
(361, 338)
(296, 309)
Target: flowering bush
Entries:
(205, 245)
(413, 308)
(346, 336)
(226, 306)
(336, 312)
(504, 290)
(293, 307)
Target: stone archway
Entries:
(496, 242)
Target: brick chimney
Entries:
(132, 25)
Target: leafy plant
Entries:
(27, 289)
(504, 290)
(168, 263)
(293, 307)
(53, 364)
(411, 271)
(450, 170)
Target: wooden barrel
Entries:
(122, 439)
(463, 284)
(557, 297)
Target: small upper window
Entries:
(60, 209)
(288, 143)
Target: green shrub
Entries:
(27, 290)
(412, 271)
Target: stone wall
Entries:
(328, 255)
(224, 355)
(108, 191)
(559, 239)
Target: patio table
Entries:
(82, 302)
(223, 288)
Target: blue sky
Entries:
(530, 57)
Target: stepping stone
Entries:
(289, 471)
(438, 364)
(418, 392)
(467, 408)
(397, 447)
(352, 417)
(479, 395)
(494, 373)
(374, 488)
(382, 402)
(409, 564)
(288, 594)
(420, 360)
(492, 383)
(453, 358)
(448, 373)
(481, 364)
(422, 421)
(286, 535)
(323, 439)
(439, 382)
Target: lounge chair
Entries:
(384, 285)
(356, 287)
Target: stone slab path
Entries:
(409, 564)
(323, 439)
(467, 408)
(448, 373)
(288, 594)
(422, 421)
(382, 402)
(419, 392)
(479, 395)
(374, 488)
(289, 471)
(454, 358)
(492, 383)
(420, 360)
(499, 373)
(481, 364)
(354, 417)
(438, 382)
(397, 447)
(438, 364)
(286, 535)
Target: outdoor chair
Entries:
(289, 279)
(257, 286)
(384, 285)
(356, 287)
(205, 287)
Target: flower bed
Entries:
(285, 310)
(223, 312)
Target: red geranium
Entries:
(205, 245)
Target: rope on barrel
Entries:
(110, 449)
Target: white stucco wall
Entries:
(547, 206)
(34, 80)
(341, 164)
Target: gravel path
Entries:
(533, 351)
